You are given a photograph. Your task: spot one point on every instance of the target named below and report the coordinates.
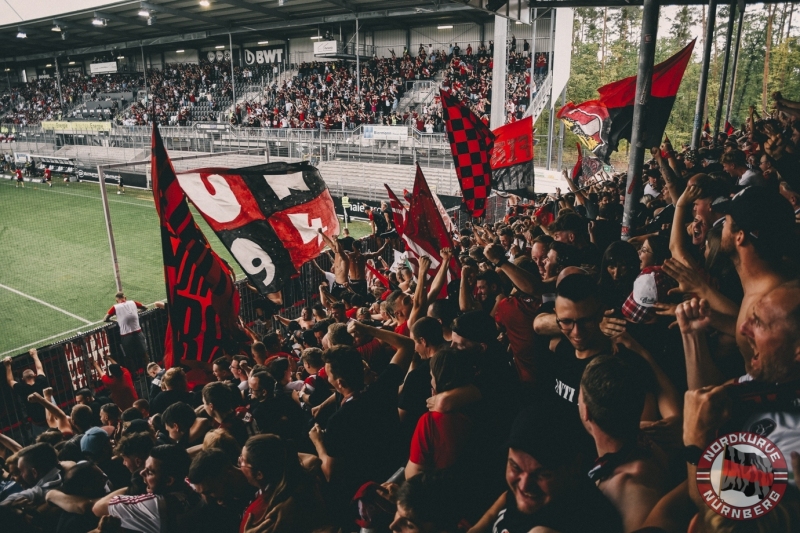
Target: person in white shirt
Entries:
(134, 345)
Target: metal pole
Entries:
(500, 60)
(533, 55)
(552, 102)
(561, 131)
(107, 214)
(735, 62)
(58, 82)
(721, 96)
(701, 91)
(358, 67)
(644, 82)
(233, 79)
(144, 76)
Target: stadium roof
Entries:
(119, 26)
(159, 24)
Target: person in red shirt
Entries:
(47, 177)
(441, 439)
(20, 182)
(117, 379)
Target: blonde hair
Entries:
(222, 440)
(783, 517)
(175, 378)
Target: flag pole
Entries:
(703, 89)
(726, 61)
(644, 82)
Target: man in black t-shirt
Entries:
(546, 486)
(31, 382)
(359, 442)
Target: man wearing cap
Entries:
(546, 485)
(652, 187)
(759, 226)
(96, 446)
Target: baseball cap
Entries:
(532, 433)
(94, 441)
(650, 288)
(476, 326)
(762, 213)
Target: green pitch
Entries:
(56, 275)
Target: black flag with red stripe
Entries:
(203, 300)
(601, 124)
(748, 473)
(471, 145)
(729, 128)
(512, 158)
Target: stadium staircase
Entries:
(541, 98)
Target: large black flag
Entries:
(203, 300)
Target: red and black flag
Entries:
(749, 473)
(585, 168)
(601, 124)
(269, 216)
(471, 146)
(424, 231)
(729, 128)
(512, 158)
(707, 129)
(203, 300)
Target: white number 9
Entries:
(253, 259)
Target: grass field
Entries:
(56, 276)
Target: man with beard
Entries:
(764, 401)
(758, 223)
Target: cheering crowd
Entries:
(324, 95)
(566, 381)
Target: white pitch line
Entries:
(37, 300)
(93, 198)
(50, 337)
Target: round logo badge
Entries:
(742, 476)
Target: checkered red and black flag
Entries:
(471, 145)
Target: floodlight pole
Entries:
(58, 83)
(721, 96)
(233, 78)
(358, 68)
(144, 77)
(735, 66)
(644, 82)
(702, 90)
(107, 215)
